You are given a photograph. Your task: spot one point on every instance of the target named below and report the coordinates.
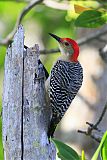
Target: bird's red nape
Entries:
(74, 56)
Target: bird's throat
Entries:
(65, 57)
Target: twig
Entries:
(45, 51)
(102, 40)
(101, 117)
(8, 39)
(92, 125)
(95, 127)
(93, 136)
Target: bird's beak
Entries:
(56, 37)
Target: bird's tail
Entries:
(51, 129)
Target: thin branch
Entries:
(45, 51)
(8, 39)
(102, 40)
(92, 125)
(100, 118)
(93, 136)
(92, 36)
(95, 127)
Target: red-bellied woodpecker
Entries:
(64, 81)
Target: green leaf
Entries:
(83, 155)
(104, 150)
(95, 156)
(91, 19)
(64, 151)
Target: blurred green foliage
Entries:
(91, 19)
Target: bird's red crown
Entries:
(69, 46)
(74, 56)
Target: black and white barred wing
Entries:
(65, 81)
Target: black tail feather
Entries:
(51, 130)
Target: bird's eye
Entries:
(66, 44)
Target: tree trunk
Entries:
(25, 110)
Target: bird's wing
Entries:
(65, 81)
(61, 87)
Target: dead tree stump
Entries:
(25, 111)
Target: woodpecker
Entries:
(64, 81)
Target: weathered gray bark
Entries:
(25, 111)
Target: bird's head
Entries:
(68, 47)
